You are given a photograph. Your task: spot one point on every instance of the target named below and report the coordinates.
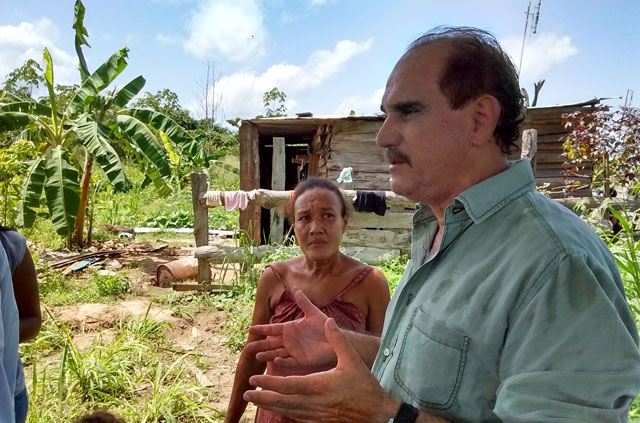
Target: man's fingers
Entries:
(347, 356)
(284, 361)
(292, 406)
(289, 385)
(272, 354)
(272, 329)
(267, 344)
(305, 304)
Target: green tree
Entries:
(166, 102)
(23, 80)
(273, 102)
(92, 120)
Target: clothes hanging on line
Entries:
(236, 199)
(371, 201)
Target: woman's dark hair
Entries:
(477, 65)
(323, 183)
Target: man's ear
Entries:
(345, 221)
(486, 113)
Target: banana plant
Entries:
(92, 119)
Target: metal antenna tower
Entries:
(628, 99)
(533, 17)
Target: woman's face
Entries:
(318, 223)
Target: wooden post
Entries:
(530, 147)
(250, 179)
(200, 223)
(278, 176)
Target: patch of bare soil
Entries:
(199, 333)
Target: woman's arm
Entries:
(247, 364)
(377, 301)
(25, 290)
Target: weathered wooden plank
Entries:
(349, 159)
(200, 287)
(358, 147)
(388, 221)
(249, 176)
(559, 172)
(270, 199)
(199, 186)
(377, 238)
(546, 128)
(352, 137)
(241, 255)
(373, 167)
(356, 126)
(360, 176)
(278, 175)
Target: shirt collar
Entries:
(487, 197)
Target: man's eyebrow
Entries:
(409, 106)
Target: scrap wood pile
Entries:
(98, 257)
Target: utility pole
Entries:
(533, 17)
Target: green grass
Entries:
(127, 374)
(57, 289)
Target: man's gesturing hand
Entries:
(300, 342)
(347, 393)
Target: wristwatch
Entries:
(406, 414)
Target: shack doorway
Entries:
(297, 150)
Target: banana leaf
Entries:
(129, 91)
(62, 190)
(80, 40)
(143, 139)
(10, 121)
(26, 107)
(175, 132)
(95, 137)
(98, 80)
(32, 191)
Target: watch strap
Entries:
(406, 414)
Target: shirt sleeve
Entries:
(571, 353)
(15, 245)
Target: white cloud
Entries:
(27, 41)
(167, 39)
(231, 28)
(360, 104)
(321, 2)
(242, 92)
(541, 53)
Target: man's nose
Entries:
(387, 135)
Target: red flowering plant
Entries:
(608, 139)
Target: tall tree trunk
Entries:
(78, 231)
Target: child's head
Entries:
(100, 417)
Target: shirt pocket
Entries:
(431, 362)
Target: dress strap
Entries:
(278, 275)
(355, 281)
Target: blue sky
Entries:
(328, 56)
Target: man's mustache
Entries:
(394, 155)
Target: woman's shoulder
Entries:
(15, 245)
(285, 266)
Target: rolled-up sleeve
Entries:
(571, 351)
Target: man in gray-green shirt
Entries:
(511, 308)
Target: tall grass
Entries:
(125, 372)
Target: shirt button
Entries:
(386, 352)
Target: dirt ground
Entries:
(199, 334)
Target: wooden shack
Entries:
(324, 145)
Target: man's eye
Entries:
(328, 215)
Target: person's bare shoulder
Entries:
(376, 281)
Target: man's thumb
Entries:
(347, 356)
